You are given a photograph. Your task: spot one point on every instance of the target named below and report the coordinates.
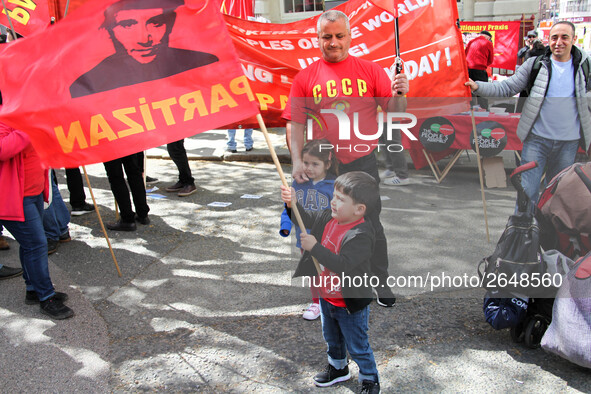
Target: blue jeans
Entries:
(551, 155)
(56, 217)
(344, 331)
(248, 142)
(33, 247)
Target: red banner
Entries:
(238, 8)
(430, 43)
(505, 39)
(26, 16)
(138, 74)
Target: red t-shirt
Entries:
(353, 85)
(479, 53)
(332, 237)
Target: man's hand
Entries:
(287, 194)
(472, 85)
(400, 85)
(298, 172)
(307, 241)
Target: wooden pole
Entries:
(294, 208)
(96, 208)
(476, 145)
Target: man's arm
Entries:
(507, 88)
(297, 143)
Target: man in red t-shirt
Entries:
(479, 55)
(352, 85)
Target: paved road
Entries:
(206, 301)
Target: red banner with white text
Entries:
(25, 16)
(430, 43)
(505, 39)
(119, 95)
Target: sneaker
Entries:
(312, 312)
(369, 387)
(395, 181)
(384, 296)
(174, 188)
(86, 208)
(187, 190)
(231, 151)
(31, 298)
(331, 375)
(9, 272)
(4, 243)
(55, 309)
(150, 180)
(65, 237)
(389, 174)
(51, 246)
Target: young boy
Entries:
(343, 252)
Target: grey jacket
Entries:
(531, 109)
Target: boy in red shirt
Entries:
(343, 252)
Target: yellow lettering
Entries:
(331, 88)
(316, 93)
(361, 87)
(221, 97)
(264, 100)
(24, 3)
(240, 85)
(192, 101)
(18, 14)
(134, 127)
(98, 123)
(283, 99)
(75, 134)
(164, 106)
(346, 85)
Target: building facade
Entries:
(497, 10)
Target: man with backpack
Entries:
(556, 116)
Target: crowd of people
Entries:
(336, 191)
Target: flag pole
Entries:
(477, 147)
(96, 208)
(294, 207)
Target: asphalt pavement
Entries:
(206, 302)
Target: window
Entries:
(303, 5)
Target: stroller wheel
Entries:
(518, 333)
(534, 331)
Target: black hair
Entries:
(361, 187)
(572, 25)
(323, 150)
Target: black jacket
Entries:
(353, 259)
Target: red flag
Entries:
(26, 16)
(389, 5)
(117, 77)
(505, 39)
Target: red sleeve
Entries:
(491, 53)
(12, 142)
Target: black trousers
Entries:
(75, 187)
(379, 260)
(178, 154)
(119, 188)
(479, 75)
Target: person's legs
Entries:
(562, 155)
(75, 187)
(231, 144)
(33, 247)
(136, 184)
(119, 188)
(178, 154)
(535, 148)
(479, 75)
(248, 141)
(56, 217)
(399, 164)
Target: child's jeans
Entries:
(343, 331)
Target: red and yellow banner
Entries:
(430, 43)
(138, 74)
(505, 39)
(26, 16)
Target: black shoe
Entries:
(248, 149)
(51, 245)
(384, 296)
(121, 226)
(65, 237)
(231, 151)
(150, 180)
(331, 376)
(175, 188)
(4, 243)
(145, 220)
(55, 309)
(369, 387)
(31, 298)
(187, 190)
(9, 272)
(86, 208)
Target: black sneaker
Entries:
(369, 387)
(55, 309)
(331, 375)
(231, 151)
(84, 209)
(150, 180)
(384, 296)
(9, 272)
(52, 245)
(31, 298)
(175, 188)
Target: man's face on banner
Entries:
(141, 32)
